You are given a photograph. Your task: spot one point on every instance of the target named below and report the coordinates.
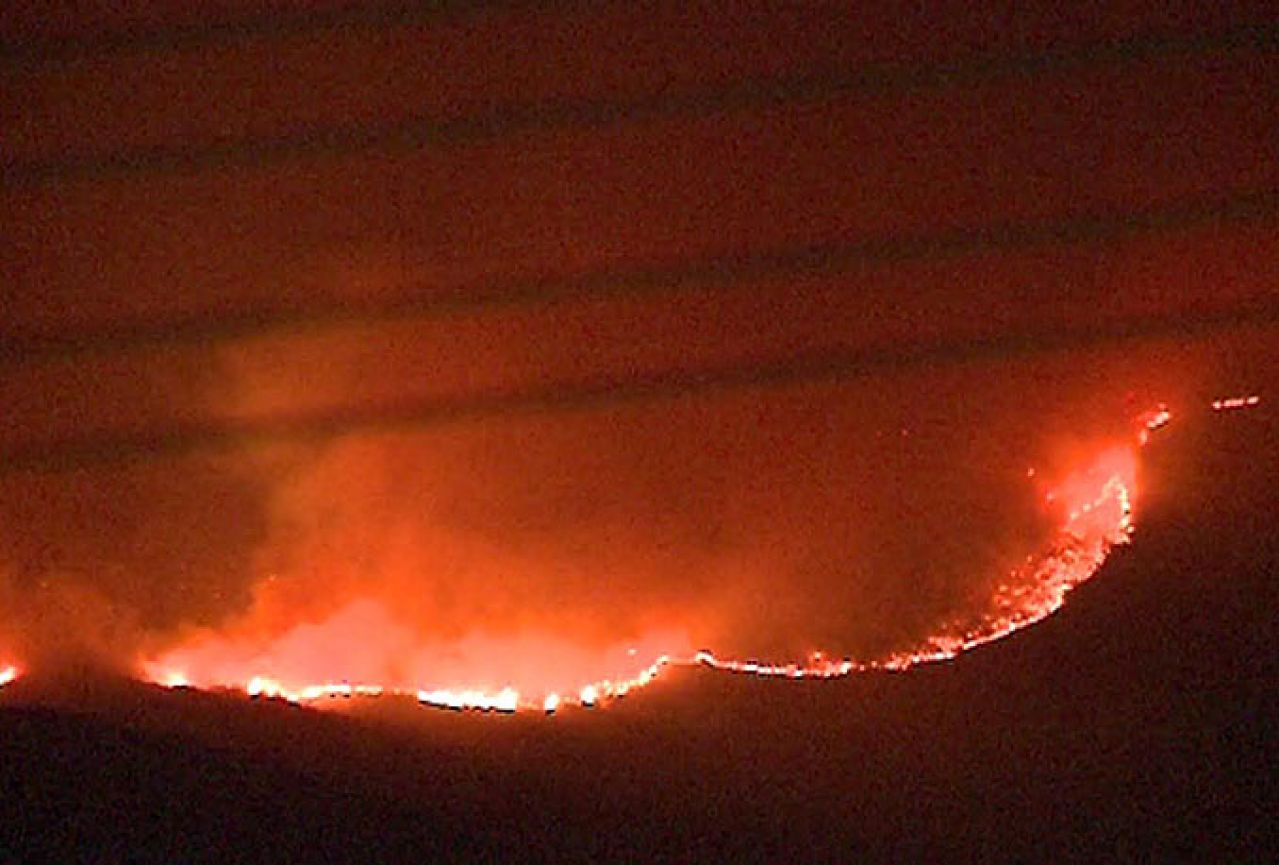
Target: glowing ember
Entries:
(1159, 417)
(1235, 402)
(1096, 503)
(1151, 421)
(8, 674)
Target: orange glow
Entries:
(8, 674)
(1099, 503)
(1151, 421)
(1235, 402)
(363, 651)
(1096, 505)
(504, 701)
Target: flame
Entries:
(175, 679)
(1037, 590)
(504, 701)
(1096, 503)
(1096, 523)
(8, 674)
(1151, 421)
(1235, 402)
(523, 669)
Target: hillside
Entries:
(1132, 725)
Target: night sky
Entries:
(656, 324)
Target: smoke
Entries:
(94, 561)
(551, 548)
(853, 516)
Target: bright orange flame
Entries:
(1235, 402)
(1096, 502)
(1151, 421)
(8, 674)
(363, 644)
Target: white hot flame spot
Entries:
(505, 701)
(1233, 403)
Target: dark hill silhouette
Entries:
(1135, 724)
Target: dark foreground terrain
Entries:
(1134, 725)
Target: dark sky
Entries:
(928, 231)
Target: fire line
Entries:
(1096, 522)
(1100, 499)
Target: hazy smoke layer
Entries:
(94, 559)
(852, 516)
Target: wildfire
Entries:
(1099, 507)
(8, 674)
(1235, 402)
(1031, 593)
(1097, 504)
(260, 686)
(817, 667)
(505, 701)
(1151, 421)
